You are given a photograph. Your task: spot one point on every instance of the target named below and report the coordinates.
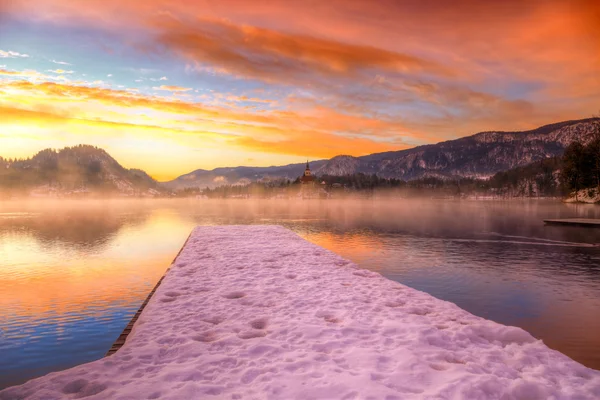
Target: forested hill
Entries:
(80, 170)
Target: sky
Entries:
(170, 86)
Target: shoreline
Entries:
(124, 200)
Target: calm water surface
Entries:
(73, 273)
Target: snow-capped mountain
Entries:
(480, 155)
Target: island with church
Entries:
(308, 188)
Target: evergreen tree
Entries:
(593, 156)
(573, 170)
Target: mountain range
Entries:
(477, 156)
(86, 169)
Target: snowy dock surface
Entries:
(589, 222)
(256, 312)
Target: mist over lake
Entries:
(73, 273)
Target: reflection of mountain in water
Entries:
(86, 229)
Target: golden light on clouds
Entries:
(116, 118)
(277, 82)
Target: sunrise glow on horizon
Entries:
(173, 86)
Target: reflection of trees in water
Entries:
(90, 225)
(85, 229)
(420, 217)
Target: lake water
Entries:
(73, 273)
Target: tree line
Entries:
(581, 164)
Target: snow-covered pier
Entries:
(256, 312)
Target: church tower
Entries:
(307, 170)
(307, 177)
(308, 182)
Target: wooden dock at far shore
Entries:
(587, 222)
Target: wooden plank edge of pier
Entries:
(123, 336)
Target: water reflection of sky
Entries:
(72, 275)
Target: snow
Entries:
(591, 195)
(256, 312)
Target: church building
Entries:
(308, 182)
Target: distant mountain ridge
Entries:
(78, 170)
(240, 175)
(479, 156)
(87, 169)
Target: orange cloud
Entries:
(170, 88)
(33, 75)
(274, 56)
(82, 110)
(60, 71)
(318, 145)
(461, 33)
(389, 73)
(315, 118)
(27, 73)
